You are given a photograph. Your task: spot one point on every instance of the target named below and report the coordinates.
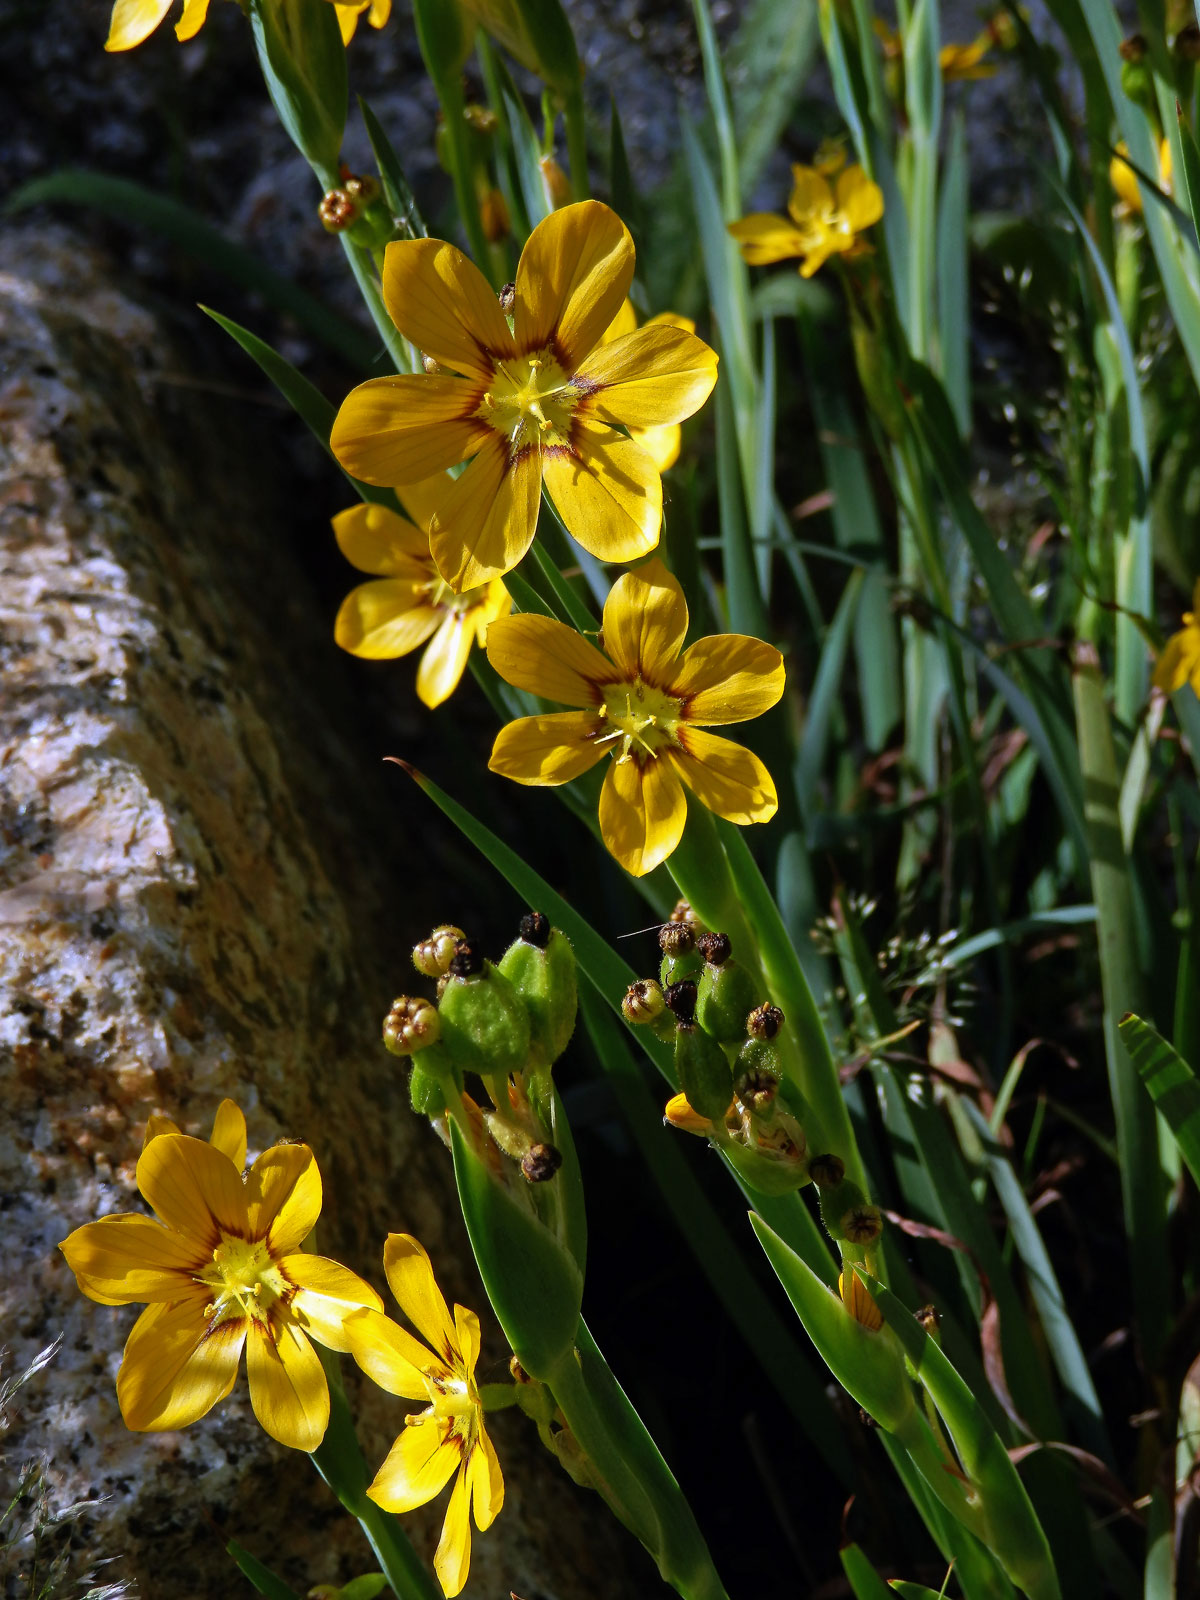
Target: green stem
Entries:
(339, 1460)
(363, 268)
(453, 108)
(630, 1473)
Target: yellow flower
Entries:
(1124, 180)
(826, 219)
(858, 1302)
(535, 402)
(222, 1268)
(348, 15)
(958, 62)
(646, 704)
(135, 20)
(660, 444)
(448, 1436)
(1179, 662)
(409, 603)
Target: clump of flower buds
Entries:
(432, 957)
(411, 1025)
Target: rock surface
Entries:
(191, 906)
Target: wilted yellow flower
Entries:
(858, 1302)
(409, 603)
(660, 444)
(536, 402)
(645, 701)
(135, 20)
(378, 13)
(448, 1436)
(1179, 662)
(826, 219)
(1124, 180)
(222, 1268)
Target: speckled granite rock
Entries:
(188, 910)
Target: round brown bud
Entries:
(1186, 44)
(508, 297)
(432, 956)
(1134, 48)
(410, 1025)
(867, 1420)
(861, 1225)
(643, 1002)
(683, 913)
(540, 1162)
(827, 1171)
(681, 998)
(480, 118)
(467, 960)
(362, 188)
(764, 1022)
(716, 948)
(338, 211)
(676, 939)
(535, 929)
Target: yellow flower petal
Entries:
(376, 540)
(348, 20)
(546, 657)
(466, 1327)
(1179, 659)
(416, 1468)
(642, 813)
(487, 1482)
(624, 322)
(404, 429)
(648, 379)
(327, 1293)
(858, 1301)
(129, 1257)
(571, 279)
(445, 661)
(765, 237)
(389, 1355)
(607, 493)
(157, 1125)
(174, 1370)
(408, 1269)
(192, 20)
(194, 1189)
(858, 199)
(645, 623)
(821, 248)
(660, 444)
(380, 12)
(287, 1384)
(133, 21)
(452, 1558)
(386, 618)
(443, 303)
(670, 319)
(423, 500)
(487, 521)
(727, 677)
(726, 777)
(549, 750)
(283, 1197)
(229, 1133)
(679, 1112)
(811, 199)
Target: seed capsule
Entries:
(432, 956)
(704, 1074)
(485, 1023)
(827, 1171)
(540, 1162)
(727, 992)
(764, 1022)
(540, 965)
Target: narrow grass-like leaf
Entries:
(396, 190)
(139, 207)
(263, 1579)
(862, 1577)
(1171, 1083)
(766, 64)
(825, 692)
(627, 203)
(1191, 172)
(953, 292)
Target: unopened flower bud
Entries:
(682, 912)
(432, 956)
(362, 188)
(540, 1162)
(714, 947)
(540, 965)
(494, 217)
(1134, 48)
(849, 1217)
(726, 995)
(485, 1023)
(764, 1022)
(703, 1074)
(643, 1003)
(1186, 44)
(680, 958)
(558, 187)
(338, 211)
(681, 998)
(480, 119)
(827, 1171)
(410, 1025)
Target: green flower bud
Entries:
(704, 1074)
(485, 1024)
(726, 994)
(540, 965)
(680, 958)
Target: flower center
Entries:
(642, 718)
(246, 1280)
(530, 401)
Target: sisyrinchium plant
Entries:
(902, 510)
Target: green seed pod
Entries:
(540, 965)
(485, 1024)
(757, 1061)
(769, 1174)
(680, 958)
(726, 995)
(704, 1074)
(850, 1219)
